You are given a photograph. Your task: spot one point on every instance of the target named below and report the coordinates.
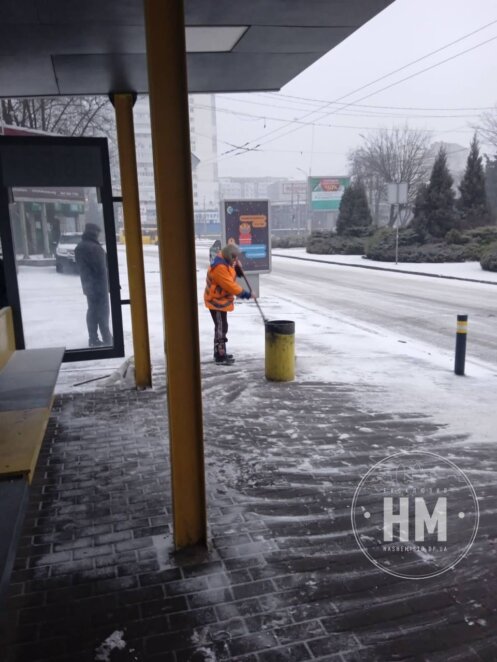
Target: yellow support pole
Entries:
(123, 104)
(168, 89)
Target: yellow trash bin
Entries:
(280, 351)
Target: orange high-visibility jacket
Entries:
(221, 287)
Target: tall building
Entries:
(203, 138)
(145, 165)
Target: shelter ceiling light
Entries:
(207, 39)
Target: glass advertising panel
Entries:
(59, 245)
(246, 223)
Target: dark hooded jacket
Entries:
(92, 262)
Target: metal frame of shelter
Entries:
(75, 162)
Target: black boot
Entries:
(224, 359)
(228, 356)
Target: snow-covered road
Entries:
(392, 331)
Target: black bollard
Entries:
(461, 335)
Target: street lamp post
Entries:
(307, 201)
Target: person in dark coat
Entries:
(92, 262)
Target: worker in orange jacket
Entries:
(221, 289)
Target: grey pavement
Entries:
(283, 579)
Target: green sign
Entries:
(326, 192)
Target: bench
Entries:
(27, 384)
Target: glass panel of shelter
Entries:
(62, 273)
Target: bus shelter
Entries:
(165, 50)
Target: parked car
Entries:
(65, 262)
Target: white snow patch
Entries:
(201, 640)
(124, 376)
(163, 546)
(114, 641)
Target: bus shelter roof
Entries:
(56, 47)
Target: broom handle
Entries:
(253, 295)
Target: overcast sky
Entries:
(405, 31)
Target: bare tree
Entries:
(487, 127)
(396, 155)
(373, 184)
(69, 116)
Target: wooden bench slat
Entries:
(7, 339)
(21, 436)
(35, 360)
(28, 397)
(28, 380)
(27, 384)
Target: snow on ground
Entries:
(409, 377)
(471, 270)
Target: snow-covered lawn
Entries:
(471, 270)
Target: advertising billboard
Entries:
(246, 223)
(326, 192)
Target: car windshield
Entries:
(69, 238)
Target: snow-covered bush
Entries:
(485, 235)
(381, 247)
(288, 242)
(328, 243)
(488, 259)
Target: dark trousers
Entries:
(97, 317)
(220, 320)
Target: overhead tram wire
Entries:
(242, 149)
(306, 151)
(337, 112)
(369, 113)
(240, 114)
(359, 105)
(377, 80)
(398, 70)
(413, 75)
(418, 73)
(332, 112)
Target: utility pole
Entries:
(308, 206)
(397, 195)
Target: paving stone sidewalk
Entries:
(95, 577)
